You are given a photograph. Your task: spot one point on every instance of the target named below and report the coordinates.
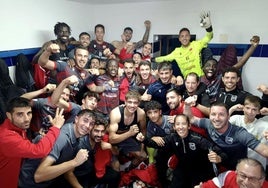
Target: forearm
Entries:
(44, 58)
(71, 178)
(50, 172)
(96, 89)
(33, 94)
(56, 95)
(203, 109)
(242, 61)
(117, 138)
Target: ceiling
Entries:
(98, 2)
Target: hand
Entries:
(263, 88)
(71, 63)
(134, 129)
(53, 48)
(105, 145)
(81, 157)
(255, 40)
(130, 47)
(191, 101)
(140, 137)
(171, 119)
(238, 107)
(158, 140)
(94, 71)
(179, 81)
(265, 134)
(198, 186)
(58, 120)
(49, 88)
(72, 80)
(173, 80)
(147, 24)
(205, 20)
(213, 157)
(123, 37)
(264, 111)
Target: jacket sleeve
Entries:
(169, 57)
(17, 146)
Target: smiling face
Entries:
(184, 38)
(210, 69)
(84, 40)
(249, 176)
(97, 133)
(131, 104)
(181, 125)
(145, 72)
(230, 80)
(81, 58)
(112, 67)
(129, 69)
(165, 75)
(63, 35)
(191, 84)
(146, 50)
(219, 118)
(173, 99)
(83, 124)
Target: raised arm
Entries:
(56, 95)
(145, 37)
(187, 109)
(44, 61)
(34, 94)
(47, 171)
(242, 61)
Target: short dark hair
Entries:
(91, 94)
(221, 104)
(152, 105)
(58, 27)
(182, 115)
(231, 69)
(184, 29)
(17, 102)
(101, 26)
(164, 66)
(145, 63)
(129, 60)
(137, 53)
(80, 47)
(87, 111)
(128, 28)
(193, 74)
(176, 90)
(84, 33)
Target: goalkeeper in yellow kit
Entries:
(188, 56)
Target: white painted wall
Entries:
(29, 23)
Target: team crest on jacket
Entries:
(233, 98)
(192, 146)
(229, 140)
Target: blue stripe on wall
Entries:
(261, 51)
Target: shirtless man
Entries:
(126, 121)
(127, 35)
